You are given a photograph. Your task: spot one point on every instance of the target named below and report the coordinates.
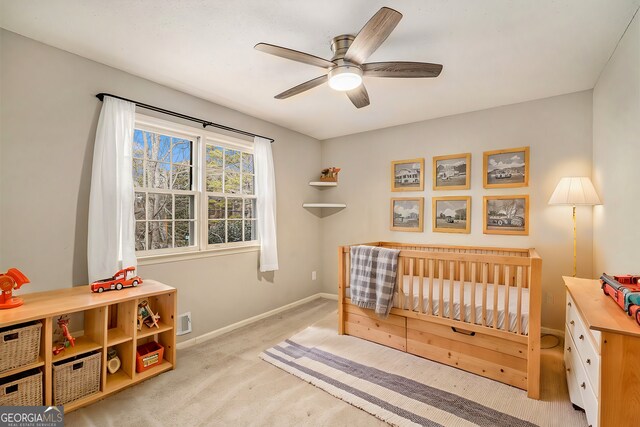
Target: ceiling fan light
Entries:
(345, 77)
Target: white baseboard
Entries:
(210, 335)
(556, 332)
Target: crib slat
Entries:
(421, 285)
(348, 270)
(485, 279)
(519, 310)
(496, 281)
(463, 309)
(452, 276)
(400, 283)
(473, 293)
(411, 274)
(507, 285)
(431, 274)
(441, 288)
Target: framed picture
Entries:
(451, 214)
(407, 214)
(407, 175)
(506, 215)
(452, 172)
(506, 168)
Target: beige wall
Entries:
(559, 132)
(48, 118)
(616, 158)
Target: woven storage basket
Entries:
(24, 389)
(19, 345)
(76, 379)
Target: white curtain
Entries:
(111, 237)
(266, 194)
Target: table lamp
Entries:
(575, 191)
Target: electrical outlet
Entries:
(314, 276)
(549, 299)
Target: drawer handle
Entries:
(589, 361)
(583, 385)
(569, 349)
(581, 337)
(568, 369)
(11, 389)
(463, 332)
(11, 337)
(569, 303)
(572, 322)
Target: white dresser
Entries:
(601, 355)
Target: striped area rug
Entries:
(406, 390)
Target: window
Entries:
(181, 175)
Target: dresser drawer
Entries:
(574, 320)
(572, 382)
(587, 395)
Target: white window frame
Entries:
(200, 138)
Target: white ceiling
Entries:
(494, 52)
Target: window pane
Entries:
(247, 184)
(214, 157)
(234, 231)
(138, 144)
(232, 160)
(184, 234)
(234, 208)
(138, 173)
(141, 230)
(247, 163)
(181, 177)
(214, 182)
(249, 208)
(158, 146)
(160, 234)
(250, 230)
(216, 208)
(232, 182)
(158, 174)
(160, 206)
(184, 208)
(139, 205)
(181, 151)
(216, 232)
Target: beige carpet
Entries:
(407, 390)
(222, 382)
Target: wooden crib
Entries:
(434, 316)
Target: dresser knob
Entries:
(589, 361)
(583, 385)
(572, 323)
(569, 349)
(569, 303)
(568, 369)
(581, 337)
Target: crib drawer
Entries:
(496, 358)
(363, 323)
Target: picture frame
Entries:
(407, 175)
(407, 214)
(507, 168)
(452, 172)
(451, 214)
(506, 215)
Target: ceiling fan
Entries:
(347, 67)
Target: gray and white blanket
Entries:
(373, 278)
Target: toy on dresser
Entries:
(625, 291)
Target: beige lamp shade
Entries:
(575, 190)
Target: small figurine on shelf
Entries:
(146, 316)
(113, 361)
(329, 174)
(68, 339)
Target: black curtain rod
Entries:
(204, 123)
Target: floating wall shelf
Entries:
(323, 184)
(324, 205)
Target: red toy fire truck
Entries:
(122, 279)
(625, 291)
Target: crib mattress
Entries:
(513, 302)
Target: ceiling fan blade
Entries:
(401, 69)
(372, 35)
(302, 87)
(293, 55)
(359, 96)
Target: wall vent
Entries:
(184, 323)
